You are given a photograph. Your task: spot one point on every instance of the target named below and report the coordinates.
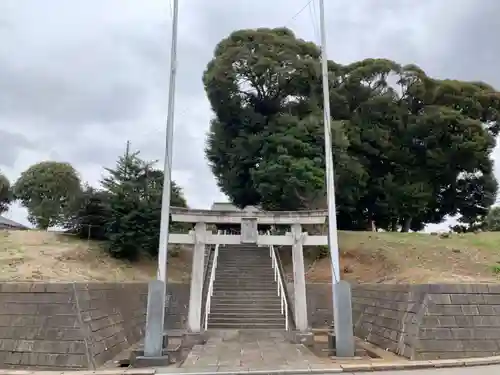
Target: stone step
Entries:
(254, 294)
(248, 255)
(243, 263)
(242, 272)
(245, 271)
(243, 255)
(254, 303)
(244, 252)
(247, 286)
(252, 262)
(251, 248)
(246, 314)
(246, 319)
(265, 278)
(220, 275)
(261, 303)
(246, 281)
(245, 292)
(245, 277)
(275, 309)
(249, 325)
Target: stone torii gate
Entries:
(249, 221)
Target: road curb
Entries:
(413, 365)
(353, 367)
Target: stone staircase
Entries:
(245, 293)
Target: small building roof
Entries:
(4, 222)
(229, 207)
(224, 206)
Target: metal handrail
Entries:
(281, 287)
(210, 290)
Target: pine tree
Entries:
(135, 192)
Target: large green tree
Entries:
(89, 214)
(266, 145)
(5, 193)
(408, 149)
(492, 221)
(134, 192)
(47, 190)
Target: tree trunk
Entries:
(394, 226)
(406, 225)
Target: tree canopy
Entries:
(408, 149)
(492, 220)
(135, 191)
(5, 193)
(125, 211)
(47, 189)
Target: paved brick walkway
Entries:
(251, 350)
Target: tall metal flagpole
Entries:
(155, 319)
(330, 184)
(344, 343)
(167, 174)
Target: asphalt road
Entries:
(477, 370)
(473, 370)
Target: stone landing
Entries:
(246, 350)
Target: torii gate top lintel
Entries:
(187, 215)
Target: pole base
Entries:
(140, 361)
(304, 338)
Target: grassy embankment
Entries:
(365, 257)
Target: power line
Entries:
(311, 5)
(170, 7)
(298, 13)
(314, 20)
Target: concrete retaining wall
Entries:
(75, 325)
(319, 305)
(420, 321)
(430, 321)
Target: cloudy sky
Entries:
(80, 78)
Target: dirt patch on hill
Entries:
(368, 257)
(51, 256)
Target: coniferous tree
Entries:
(134, 189)
(89, 216)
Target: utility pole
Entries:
(342, 338)
(153, 313)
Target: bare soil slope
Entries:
(368, 257)
(365, 257)
(51, 256)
